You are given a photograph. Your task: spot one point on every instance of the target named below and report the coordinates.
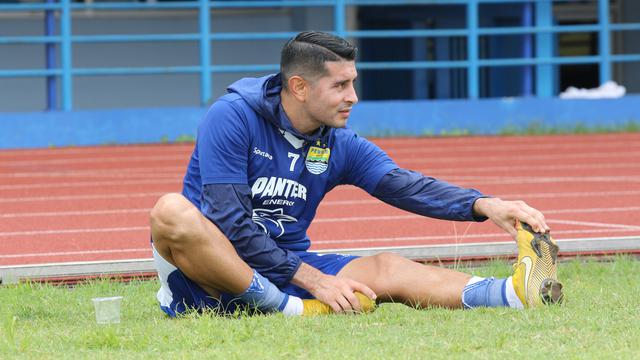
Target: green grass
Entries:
(601, 319)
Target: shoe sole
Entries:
(550, 289)
(551, 292)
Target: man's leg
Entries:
(189, 241)
(397, 279)
(193, 244)
(534, 281)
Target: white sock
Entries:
(513, 299)
(474, 280)
(293, 307)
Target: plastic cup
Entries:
(107, 309)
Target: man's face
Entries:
(331, 96)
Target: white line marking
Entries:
(320, 219)
(76, 213)
(594, 224)
(544, 180)
(119, 172)
(524, 158)
(592, 210)
(505, 196)
(73, 231)
(570, 194)
(493, 236)
(324, 203)
(56, 185)
(94, 160)
(505, 238)
(443, 148)
(367, 218)
(79, 197)
(67, 253)
(81, 150)
(513, 168)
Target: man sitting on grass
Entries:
(266, 154)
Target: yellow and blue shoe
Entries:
(313, 307)
(535, 276)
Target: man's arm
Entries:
(229, 207)
(414, 192)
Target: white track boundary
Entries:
(15, 273)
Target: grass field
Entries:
(601, 319)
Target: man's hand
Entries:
(336, 292)
(505, 213)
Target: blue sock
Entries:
(489, 292)
(262, 294)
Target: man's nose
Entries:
(351, 96)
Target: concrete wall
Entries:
(369, 118)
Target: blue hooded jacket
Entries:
(260, 180)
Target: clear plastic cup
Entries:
(107, 309)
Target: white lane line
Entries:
(80, 197)
(546, 180)
(443, 148)
(56, 185)
(127, 149)
(75, 213)
(176, 177)
(146, 210)
(73, 231)
(367, 218)
(537, 168)
(592, 210)
(93, 160)
(328, 202)
(523, 158)
(316, 221)
(493, 236)
(594, 224)
(68, 253)
(506, 196)
(177, 172)
(319, 219)
(120, 172)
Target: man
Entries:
(266, 154)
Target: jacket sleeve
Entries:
(223, 150)
(228, 206)
(419, 194)
(365, 163)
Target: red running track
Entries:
(90, 204)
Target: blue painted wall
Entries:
(369, 118)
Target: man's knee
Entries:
(388, 265)
(170, 217)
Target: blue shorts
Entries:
(178, 293)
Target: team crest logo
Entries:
(271, 221)
(317, 160)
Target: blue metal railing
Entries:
(543, 31)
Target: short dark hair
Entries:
(306, 54)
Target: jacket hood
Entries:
(263, 96)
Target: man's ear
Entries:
(298, 87)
